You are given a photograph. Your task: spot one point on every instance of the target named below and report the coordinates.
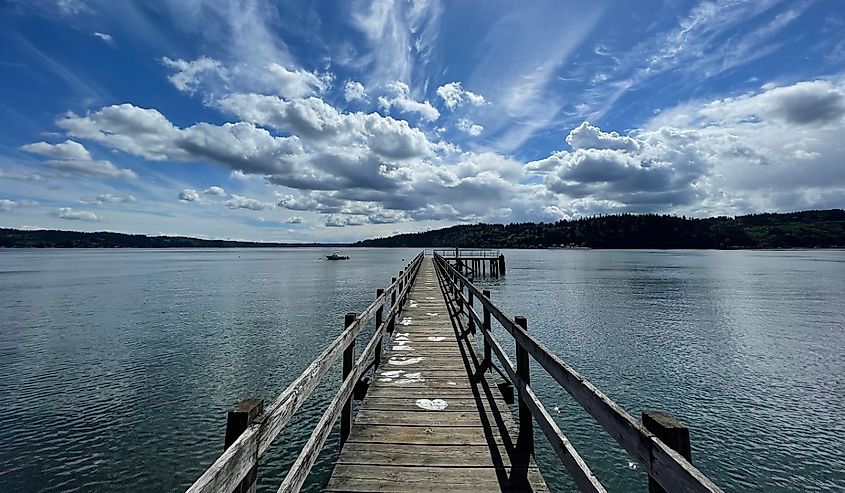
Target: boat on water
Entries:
(337, 256)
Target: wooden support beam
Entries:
(379, 321)
(671, 432)
(526, 426)
(469, 308)
(485, 326)
(237, 421)
(392, 322)
(348, 361)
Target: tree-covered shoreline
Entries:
(16, 238)
(806, 229)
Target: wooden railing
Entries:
(667, 468)
(464, 252)
(251, 429)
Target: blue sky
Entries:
(336, 121)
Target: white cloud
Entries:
(294, 220)
(318, 123)
(72, 7)
(354, 91)
(215, 191)
(297, 83)
(8, 204)
(340, 221)
(108, 198)
(94, 169)
(401, 36)
(189, 74)
(469, 127)
(586, 136)
(238, 202)
(67, 150)
(189, 195)
(72, 157)
(777, 149)
(454, 95)
(68, 213)
(106, 38)
(401, 99)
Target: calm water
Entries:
(117, 366)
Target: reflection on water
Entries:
(117, 366)
(746, 347)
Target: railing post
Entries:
(392, 322)
(485, 325)
(401, 285)
(470, 298)
(348, 361)
(671, 432)
(237, 421)
(379, 321)
(459, 292)
(526, 426)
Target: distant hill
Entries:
(807, 229)
(76, 239)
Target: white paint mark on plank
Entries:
(432, 404)
(402, 361)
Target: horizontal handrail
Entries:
(459, 253)
(226, 473)
(671, 470)
(581, 473)
(308, 455)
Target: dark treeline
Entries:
(76, 239)
(808, 229)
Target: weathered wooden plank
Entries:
(426, 455)
(398, 417)
(404, 478)
(422, 435)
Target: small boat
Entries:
(337, 256)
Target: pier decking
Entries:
(431, 421)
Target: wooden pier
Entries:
(432, 417)
(431, 421)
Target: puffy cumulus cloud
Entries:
(72, 157)
(297, 83)
(108, 198)
(354, 91)
(400, 97)
(454, 95)
(189, 195)
(215, 190)
(777, 149)
(238, 202)
(340, 221)
(188, 74)
(294, 220)
(322, 125)
(67, 150)
(68, 213)
(469, 127)
(479, 186)
(147, 133)
(586, 136)
(816, 102)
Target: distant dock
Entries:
(434, 410)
